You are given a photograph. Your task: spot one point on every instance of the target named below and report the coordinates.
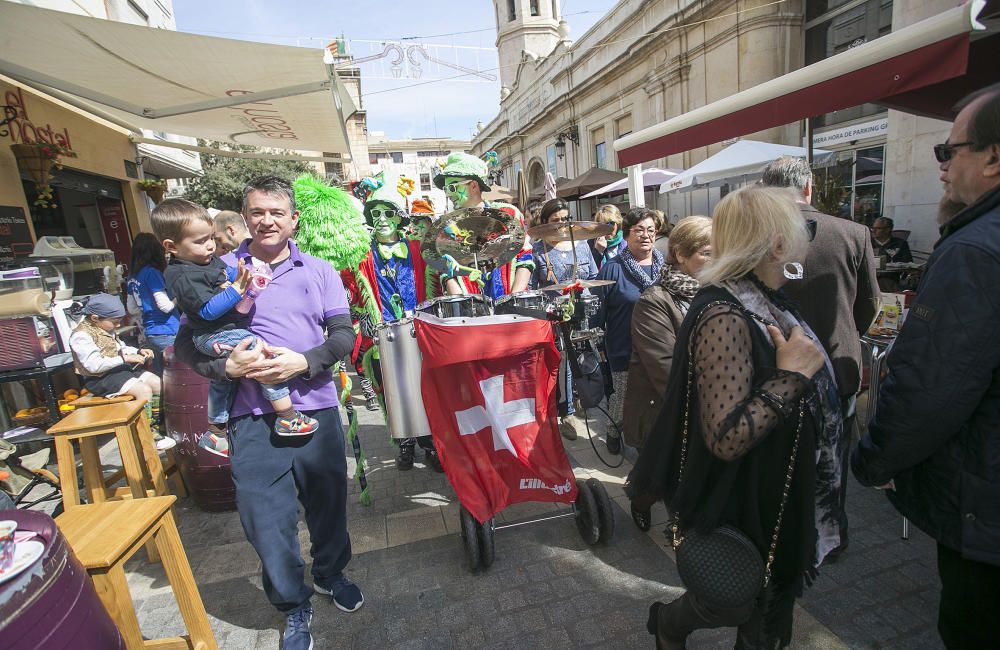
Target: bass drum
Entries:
(517, 303)
(465, 306)
(400, 361)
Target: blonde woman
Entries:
(750, 401)
(607, 248)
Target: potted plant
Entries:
(38, 159)
(156, 188)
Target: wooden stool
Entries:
(94, 400)
(141, 465)
(105, 535)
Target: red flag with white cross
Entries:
(489, 389)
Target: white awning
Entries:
(651, 177)
(239, 92)
(742, 161)
(924, 69)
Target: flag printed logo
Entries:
(489, 390)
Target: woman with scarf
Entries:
(749, 425)
(655, 322)
(635, 268)
(605, 248)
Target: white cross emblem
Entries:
(499, 416)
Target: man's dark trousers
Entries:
(273, 474)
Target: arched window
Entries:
(533, 5)
(511, 10)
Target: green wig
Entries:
(331, 226)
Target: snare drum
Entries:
(465, 306)
(399, 357)
(585, 309)
(514, 302)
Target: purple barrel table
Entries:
(184, 404)
(52, 604)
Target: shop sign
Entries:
(24, 131)
(846, 134)
(15, 236)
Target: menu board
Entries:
(15, 236)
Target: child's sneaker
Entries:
(300, 425)
(214, 444)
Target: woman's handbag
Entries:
(723, 567)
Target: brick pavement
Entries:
(547, 589)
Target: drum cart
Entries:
(595, 519)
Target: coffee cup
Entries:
(7, 529)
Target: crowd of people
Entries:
(731, 343)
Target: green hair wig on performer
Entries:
(331, 226)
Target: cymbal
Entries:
(484, 236)
(582, 230)
(584, 284)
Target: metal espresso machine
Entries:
(90, 271)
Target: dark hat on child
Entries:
(104, 305)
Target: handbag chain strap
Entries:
(677, 538)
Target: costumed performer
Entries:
(463, 180)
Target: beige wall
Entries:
(618, 68)
(101, 149)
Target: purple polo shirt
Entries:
(292, 313)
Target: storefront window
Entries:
(852, 187)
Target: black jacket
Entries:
(937, 430)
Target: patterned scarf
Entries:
(635, 271)
(824, 404)
(680, 285)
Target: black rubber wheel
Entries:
(486, 549)
(470, 534)
(605, 511)
(587, 517)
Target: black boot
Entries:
(404, 460)
(432, 460)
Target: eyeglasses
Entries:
(387, 213)
(945, 152)
(649, 232)
(453, 187)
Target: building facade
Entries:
(418, 158)
(646, 62)
(96, 197)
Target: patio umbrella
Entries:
(550, 186)
(523, 198)
(499, 193)
(745, 160)
(652, 177)
(590, 180)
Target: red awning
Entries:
(922, 69)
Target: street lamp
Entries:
(571, 133)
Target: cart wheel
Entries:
(486, 550)
(470, 534)
(587, 517)
(605, 512)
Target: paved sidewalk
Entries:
(546, 589)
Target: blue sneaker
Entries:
(346, 595)
(297, 635)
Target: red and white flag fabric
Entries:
(489, 389)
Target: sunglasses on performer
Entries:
(453, 187)
(945, 152)
(387, 213)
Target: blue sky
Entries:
(395, 106)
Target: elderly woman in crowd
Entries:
(636, 268)
(607, 248)
(554, 264)
(748, 426)
(655, 322)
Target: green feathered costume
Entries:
(332, 228)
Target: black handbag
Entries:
(723, 567)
